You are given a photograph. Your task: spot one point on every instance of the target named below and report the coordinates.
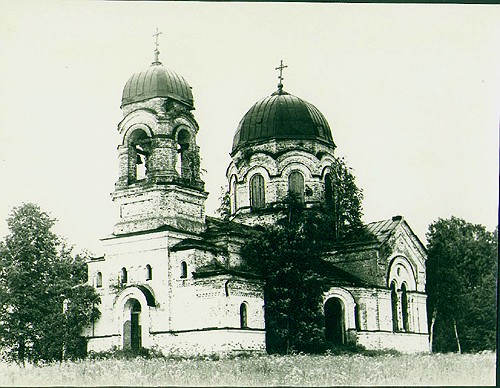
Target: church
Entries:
(171, 276)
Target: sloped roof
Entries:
(382, 230)
(337, 275)
(190, 243)
(215, 268)
(374, 234)
(216, 226)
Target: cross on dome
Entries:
(157, 52)
(280, 77)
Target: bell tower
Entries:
(159, 183)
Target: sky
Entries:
(411, 92)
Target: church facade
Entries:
(171, 276)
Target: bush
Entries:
(126, 354)
(351, 348)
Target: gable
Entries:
(369, 253)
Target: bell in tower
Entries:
(159, 163)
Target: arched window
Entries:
(184, 270)
(257, 192)
(404, 306)
(98, 279)
(243, 316)
(233, 194)
(328, 190)
(123, 276)
(394, 305)
(149, 272)
(296, 185)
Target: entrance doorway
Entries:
(334, 321)
(132, 325)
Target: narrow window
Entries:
(394, 304)
(404, 307)
(328, 190)
(257, 192)
(98, 279)
(149, 272)
(357, 318)
(243, 316)
(233, 195)
(184, 270)
(123, 276)
(296, 185)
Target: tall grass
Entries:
(263, 370)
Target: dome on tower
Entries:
(157, 81)
(282, 116)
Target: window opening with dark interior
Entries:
(257, 192)
(233, 194)
(404, 307)
(328, 190)
(98, 279)
(394, 305)
(184, 270)
(149, 272)
(123, 276)
(243, 316)
(296, 185)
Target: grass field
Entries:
(298, 370)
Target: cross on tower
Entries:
(280, 77)
(157, 52)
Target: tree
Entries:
(345, 201)
(224, 210)
(461, 285)
(289, 257)
(44, 302)
(284, 254)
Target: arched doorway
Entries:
(334, 321)
(132, 326)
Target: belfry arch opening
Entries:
(182, 164)
(132, 338)
(138, 153)
(335, 321)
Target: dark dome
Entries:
(282, 116)
(157, 81)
